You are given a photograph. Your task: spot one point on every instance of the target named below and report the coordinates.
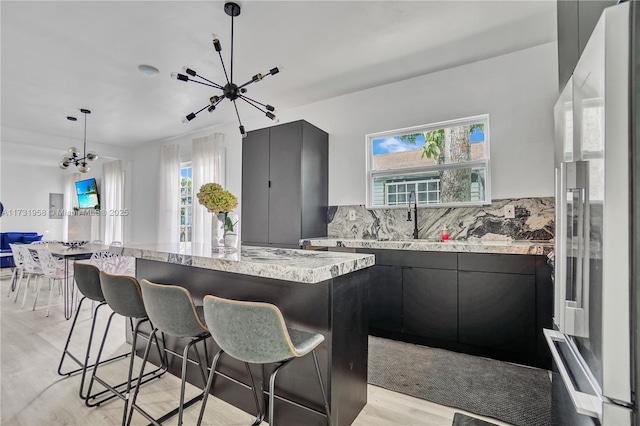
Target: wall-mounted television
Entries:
(87, 191)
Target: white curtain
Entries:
(168, 208)
(113, 201)
(207, 165)
(69, 202)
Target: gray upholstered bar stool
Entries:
(255, 332)
(87, 279)
(172, 311)
(124, 296)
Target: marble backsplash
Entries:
(534, 220)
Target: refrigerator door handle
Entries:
(589, 405)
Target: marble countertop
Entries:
(283, 264)
(461, 246)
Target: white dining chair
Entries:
(53, 269)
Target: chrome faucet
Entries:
(415, 214)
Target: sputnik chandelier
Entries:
(230, 90)
(74, 156)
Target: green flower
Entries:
(216, 199)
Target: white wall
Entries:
(29, 172)
(517, 90)
(27, 186)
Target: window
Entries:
(186, 202)
(442, 164)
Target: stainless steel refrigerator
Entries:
(591, 343)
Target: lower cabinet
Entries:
(492, 305)
(430, 303)
(385, 298)
(497, 311)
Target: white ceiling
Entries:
(57, 57)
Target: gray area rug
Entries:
(501, 390)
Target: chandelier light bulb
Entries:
(63, 165)
(271, 108)
(92, 156)
(73, 151)
(84, 168)
(211, 109)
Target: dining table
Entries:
(65, 252)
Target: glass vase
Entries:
(224, 236)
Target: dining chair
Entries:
(31, 268)
(18, 270)
(53, 269)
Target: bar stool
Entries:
(87, 279)
(172, 311)
(123, 295)
(255, 332)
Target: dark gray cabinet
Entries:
(497, 311)
(385, 298)
(493, 305)
(430, 303)
(576, 21)
(284, 185)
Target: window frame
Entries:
(486, 162)
(185, 165)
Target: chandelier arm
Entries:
(217, 86)
(232, 47)
(249, 101)
(247, 83)
(254, 101)
(223, 67)
(202, 109)
(237, 114)
(84, 149)
(213, 83)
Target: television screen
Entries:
(87, 193)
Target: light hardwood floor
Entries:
(33, 394)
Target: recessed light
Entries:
(148, 70)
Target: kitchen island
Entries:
(318, 291)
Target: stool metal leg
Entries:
(324, 394)
(179, 410)
(260, 414)
(82, 366)
(115, 389)
(272, 387)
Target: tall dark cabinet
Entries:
(284, 185)
(576, 20)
